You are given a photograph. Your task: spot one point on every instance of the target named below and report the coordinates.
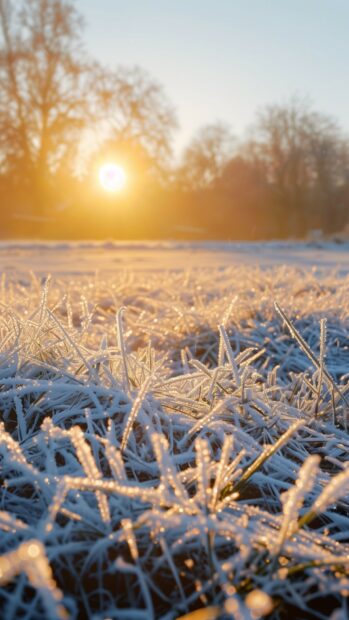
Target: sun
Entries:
(112, 177)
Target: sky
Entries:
(221, 60)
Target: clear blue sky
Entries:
(222, 59)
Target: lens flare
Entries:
(112, 177)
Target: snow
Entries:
(174, 429)
(74, 258)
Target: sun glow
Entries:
(112, 177)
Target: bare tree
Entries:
(42, 100)
(305, 160)
(205, 157)
(136, 120)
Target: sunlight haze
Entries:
(174, 309)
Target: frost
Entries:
(259, 603)
(292, 499)
(30, 559)
(159, 466)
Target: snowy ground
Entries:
(76, 258)
(172, 440)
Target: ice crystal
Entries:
(160, 467)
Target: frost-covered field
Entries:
(171, 440)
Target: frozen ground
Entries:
(73, 258)
(171, 440)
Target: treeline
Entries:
(62, 114)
